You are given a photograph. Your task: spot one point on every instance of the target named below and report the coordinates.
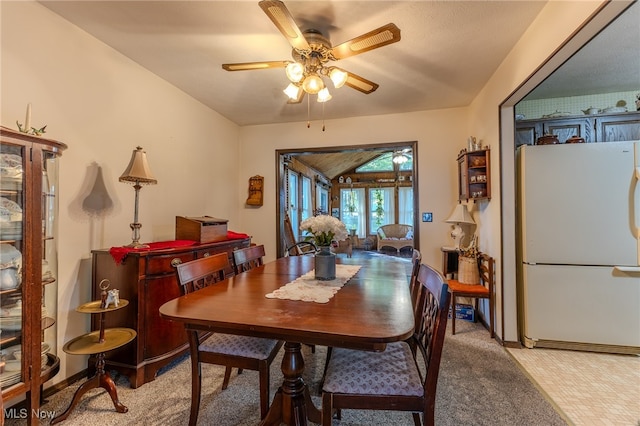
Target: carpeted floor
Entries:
(479, 384)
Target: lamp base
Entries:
(137, 245)
(135, 239)
(457, 233)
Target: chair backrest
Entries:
(433, 303)
(293, 247)
(202, 272)
(486, 266)
(248, 258)
(416, 260)
(289, 236)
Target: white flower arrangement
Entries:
(324, 229)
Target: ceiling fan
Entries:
(312, 53)
(401, 156)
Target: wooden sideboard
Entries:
(147, 279)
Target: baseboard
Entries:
(65, 383)
(51, 390)
(587, 347)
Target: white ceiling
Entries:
(448, 50)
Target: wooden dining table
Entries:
(372, 309)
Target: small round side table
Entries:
(98, 342)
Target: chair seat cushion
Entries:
(246, 346)
(392, 372)
(476, 289)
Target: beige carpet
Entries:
(479, 384)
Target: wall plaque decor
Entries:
(256, 184)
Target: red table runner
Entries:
(119, 253)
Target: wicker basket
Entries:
(468, 272)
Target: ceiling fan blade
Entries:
(360, 83)
(245, 66)
(382, 36)
(279, 14)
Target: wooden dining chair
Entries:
(396, 379)
(416, 260)
(292, 247)
(483, 290)
(247, 258)
(242, 352)
(414, 290)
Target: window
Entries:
(405, 205)
(322, 200)
(382, 163)
(293, 208)
(306, 207)
(381, 207)
(353, 212)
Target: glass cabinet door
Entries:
(49, 254)
(12, 276)
(28, 260)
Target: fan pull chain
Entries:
(308, 112)
(323, 116)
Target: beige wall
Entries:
(440, 135)
(102, 105)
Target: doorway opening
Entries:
(365, 186)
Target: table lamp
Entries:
(459, 216)
(137, 173)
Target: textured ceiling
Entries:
(609, 63)
(448, 51)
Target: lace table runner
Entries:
(307, 289)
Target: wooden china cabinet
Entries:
(28, 267)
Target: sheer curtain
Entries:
(353, 210)
(405, 205)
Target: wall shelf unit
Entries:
(474, 175)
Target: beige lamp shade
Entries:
(138, 171)
(459, 215)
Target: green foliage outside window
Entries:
(378, 212)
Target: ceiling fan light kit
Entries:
(312, 52)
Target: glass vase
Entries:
(325, 264)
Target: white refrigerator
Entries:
(579, 248)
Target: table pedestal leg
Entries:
(101, 379)
(292, 403)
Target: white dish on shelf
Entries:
(10, 211)
(613, 110)
(13, 365)
(11, 323)
(557, 114)
(10, 165)
(9, 278)
(9, 378)
(8, 353)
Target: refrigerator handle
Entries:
(636, 152)
(627, 269)
(635, 204)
